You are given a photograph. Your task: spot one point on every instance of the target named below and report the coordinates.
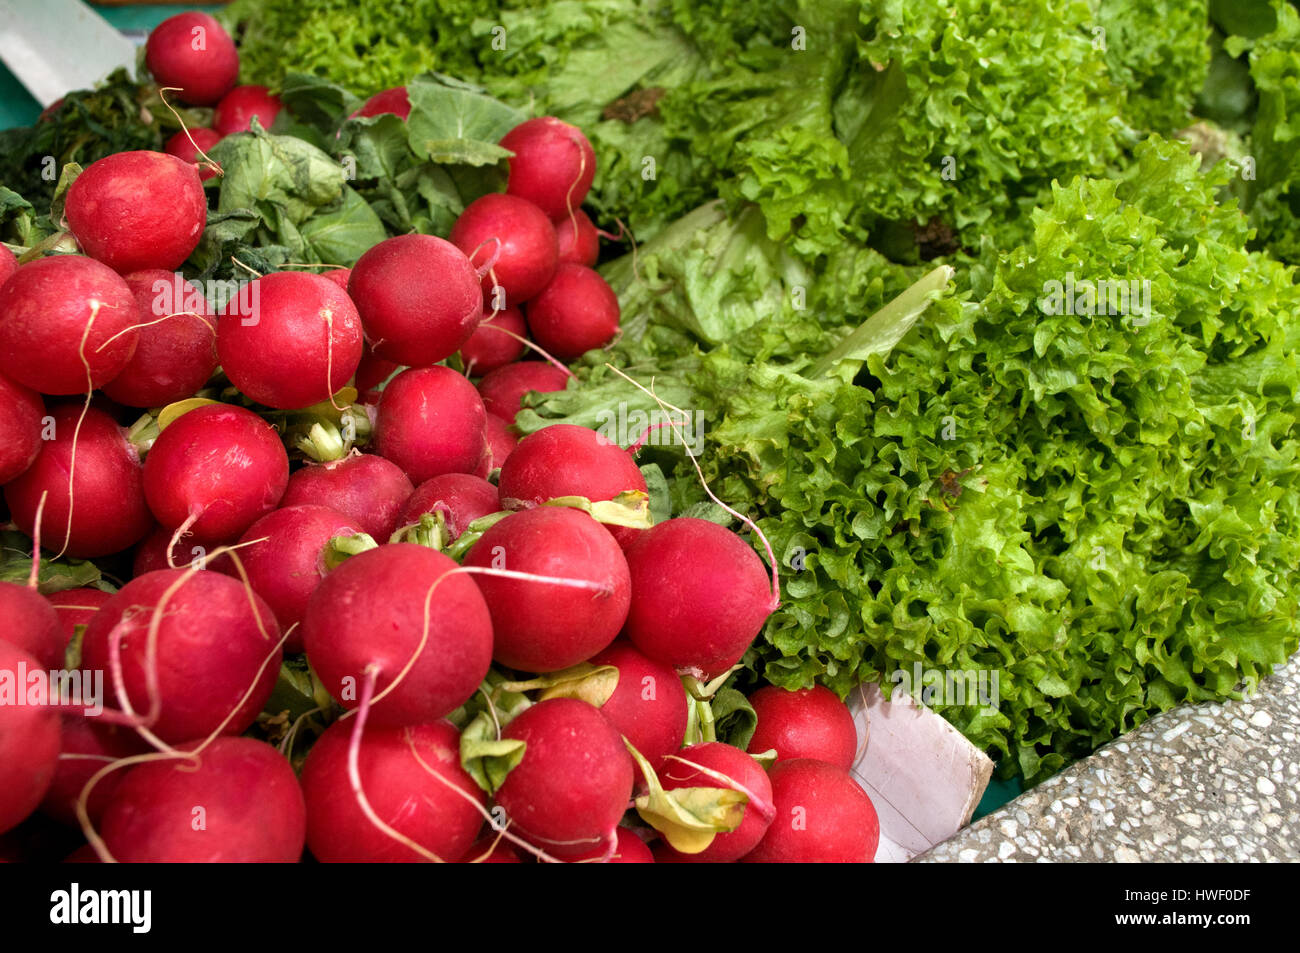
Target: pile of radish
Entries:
(507, 660)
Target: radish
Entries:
(20, 431)
(29, 744)
(339, 276)
(573, 784)
(700, 595)
(177, 351)
(31, 624)
(237, 108)
(151, 553)
(461, 498)
(419, 298)
(503, 390)
(287, 566)
(490, 850)
(372, 372)
(193, 52)
(487, 348)
(213, 471)
(412, 779)
(553, 164)
(138, 210)
(187, 147)
(567, 460)
(575, 313)
(95, 505)
(67, 325)
(95, 744)
(501, 442)
(807, 723)
(649, 705)
(516, 237)
(395, 101)
(367, 489)
(234, 801)
(538, 627)
(294, 341)
(375, 612)
(747, 776)
(431, 421)
(577, 239)
(8, 263)
(628, 849)
(76, 607)
(822, 816)
(198, 652)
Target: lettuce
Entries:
(1102, 509)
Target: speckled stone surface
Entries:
(1212, 782)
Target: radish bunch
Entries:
(490, 652)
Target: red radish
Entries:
(630, 849)
(177, 350)
(700, 595)
(748, 776)
(216, 468)
(364, 487)
(487, 348)
(649, 705)
(578, 241)
(570, 790)
(8, 263)
(194, 52)
(822, 816)
(20, 429)
(85, 854)
(419, 298)
(216, 650)
(242, 790)
(106, 511)
(412, 779)
(543, 627)
(461, 498)
(664, 854)
(501, 442)
(237, 108)
(31, 624)
(553, 164)
(286, 568)
(98, 744)
(151, 553)
(339, 276)
(490, 850)
(371, 611)
(76, 607)
(575, 313)
(292, 341)
(188, 146)
(50, 110)
(567, 460)
(431, 421)
(516, 237)
(138, 210)
(29, 743)
(503, 390)
(394, 101)
(67, 325)
(807, 723)
(372, 371)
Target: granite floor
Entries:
(1211, 782)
